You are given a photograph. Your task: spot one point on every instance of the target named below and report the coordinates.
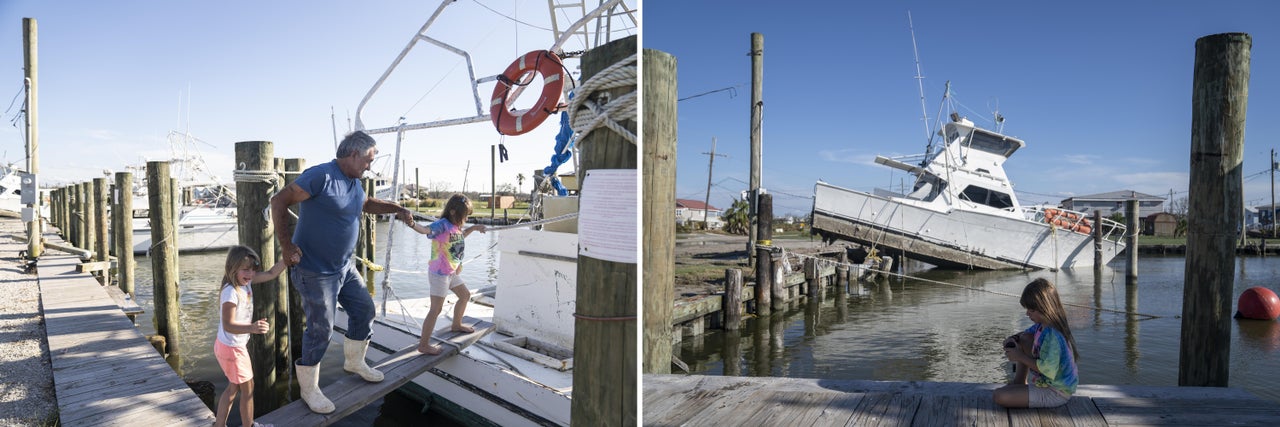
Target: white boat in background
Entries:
(962, 211)
(206, 206)
(523, 373)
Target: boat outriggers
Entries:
(962, 211)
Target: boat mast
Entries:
(924, 113)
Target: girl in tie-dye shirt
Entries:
(447, 244)
(1044, 354)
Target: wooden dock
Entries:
(674, 400)
(104, 371)
(352, 392)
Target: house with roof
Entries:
(692, 211)
(1113, 202)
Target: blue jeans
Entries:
(320, 295)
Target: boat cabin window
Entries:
(992, 143)
(927, 188)
(987, 197)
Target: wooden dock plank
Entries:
(1153, 411)
(711, 400)
(352, 392)
(105, 372)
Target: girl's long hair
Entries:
(456, 209)
(1041, 296)
(236, 257)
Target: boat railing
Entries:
(1074, 221)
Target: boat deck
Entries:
(671, 400)
(104, 370)
(352, 392)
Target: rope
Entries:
(564, 217)
(588, 114)
(858, 266)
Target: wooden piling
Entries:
(255, 157)
(732, 300)
(765, 259)
(659, 237)
(281, 321)
(366, 240)
(605, 329)
(1097, 239)
(1219, 99)
(100, 251)
(91, 236)
(164, 260)
(124, 238)
(297, 317)
(1131, 238)
(811, 277)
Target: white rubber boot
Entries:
(354, 352)
(309, 382)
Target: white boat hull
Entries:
(200, 229)
(499, 378)
(954, 238)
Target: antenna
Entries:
(924, 114)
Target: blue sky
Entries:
(1100, 91)
(117, 76)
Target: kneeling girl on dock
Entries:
(1044, 353)
(235, 309)
(447, 244)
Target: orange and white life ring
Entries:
(510, 122)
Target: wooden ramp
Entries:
(673, 400)
(104, 371)
(351, 393)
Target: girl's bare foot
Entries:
(463, 328)
(429, 349)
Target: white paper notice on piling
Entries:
(607, 215)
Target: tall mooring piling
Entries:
(1219, 99)
(254, 186)
(659, 176)
(164, 260)
(605, 328)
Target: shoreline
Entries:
(27, 397)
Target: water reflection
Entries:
(907, 329)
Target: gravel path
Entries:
(26, 377)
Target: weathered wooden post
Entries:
(281, 321)
(842, 271)
(124, 238)
(757, 117)
(659, 196)
(765, 258)
(764, 267)
(164, 260)
(605, 328)
(297, 318)
(811, 276)
(90, 218)
(369, 234)
(101, 245)
(1131, 239)
(1219, 99)
(85, 227)
(1097, 240)
(731, 303)
(256, 232)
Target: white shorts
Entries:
(441, 284)
(1045, 397)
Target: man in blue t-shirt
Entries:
(332, 199)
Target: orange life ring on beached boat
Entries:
(515, 122)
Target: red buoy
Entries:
(1258, 303)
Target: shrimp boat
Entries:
(522, 374)
(963, 212)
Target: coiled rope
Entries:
(589, 111)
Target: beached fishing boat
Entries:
(523, 373)
(962, 211)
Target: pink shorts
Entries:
(234, 362)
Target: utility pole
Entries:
(706, 204)
(34, 228)
(757, 115)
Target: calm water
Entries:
(898, 330)
(198, 287)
